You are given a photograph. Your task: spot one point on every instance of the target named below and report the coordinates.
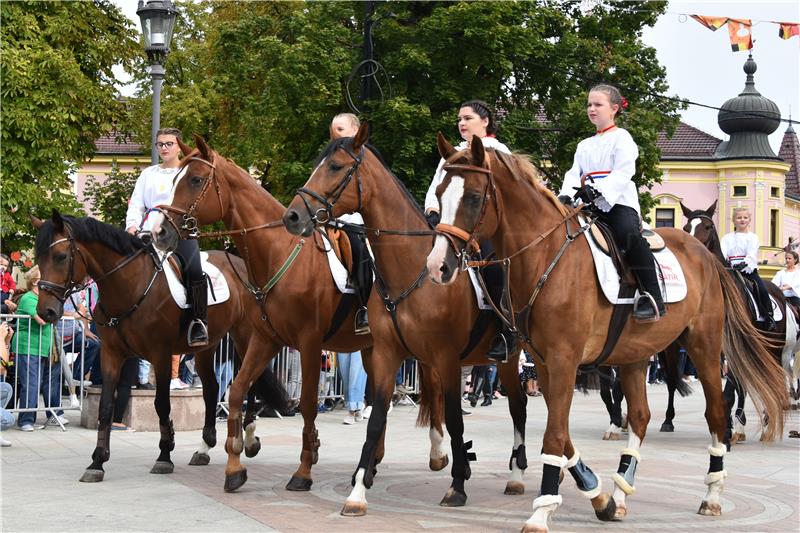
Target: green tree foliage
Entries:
(58, 97)
(109, 195)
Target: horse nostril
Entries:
(445, 270)
(292, 216)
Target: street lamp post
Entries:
(158, 21)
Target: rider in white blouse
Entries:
(788, 279)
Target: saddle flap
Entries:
(340, 243)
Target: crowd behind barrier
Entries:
(72, 360)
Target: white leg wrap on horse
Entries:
(632, 453)
(516, 471)
(717, 450)
(543, 508)
(554, 460)
(359, 492)
(715, 477)
(572, 461)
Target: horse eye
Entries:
(60, 257)
(335, 167)
(196, 180)
(472, 199)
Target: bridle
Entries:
(324, 214)
(451, 233)
(62, 292)
(188, 220)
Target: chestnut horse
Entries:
(551, 272)
(350, 177)
(137, 317)
(700, 224)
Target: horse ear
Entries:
(58, 222)
(36, 221)
(445, 148)
(686, 211)
(185, 148)
(201, 144)
(712, 208)
(478, 152)
(362, 136)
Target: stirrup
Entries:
(361, 322)
(646, 296)
(202, 339)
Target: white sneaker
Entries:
(349, 420)
(26, 427)
(366, 412)
(176, 384)
(54, 420)
(73, 400)
(359, 416)
(4, 443)
(405, 400)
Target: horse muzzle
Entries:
(297, 222)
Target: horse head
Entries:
(468, 207)
(334, 187)
(60, 273)
(197, 196)
(700, 223)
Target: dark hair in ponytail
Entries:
(484, 111)
(614, 96)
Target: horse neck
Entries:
(714, 246)
(124, 284)
(399, 258)
(250, 205)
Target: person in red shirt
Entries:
(7, 286)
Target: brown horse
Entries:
(551, 272)
(350, 177)
(297, 308)
(137, 317)
(700, 224)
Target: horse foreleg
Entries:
(102, 451)
(252, 444)
(632, 379)
(517, 403)
(383, 376)
(309, 396)
(431, 407)
(166, 442)
(204, 363)
(460, 472)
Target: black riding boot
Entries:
(643, 308)
(198, 329)
(503, 344)
(362, 321)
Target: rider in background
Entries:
(153, 189)
(608, 162)
(788, 279)
(346, 125)
(475, 118)
(740, 248)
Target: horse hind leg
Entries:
(204, 363)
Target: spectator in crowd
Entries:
(652, 371)
(6, 390)
(37, 371)
(527, 375)
(75, 335)
(176, 382)
(354, 382)
(7, 286)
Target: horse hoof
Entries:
(514, 488)
(667, 427)
(710, 509)
(621, 512)
(453, 498)
(252, 451)
(199, 459)
(91, 475)
(162, 467)
(438, 464)
(234, 481)
(608, 513)
(299, 484)
(530, 528)
(354, 509)
(608, 435)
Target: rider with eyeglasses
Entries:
(153, 189)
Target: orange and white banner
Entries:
(740, 33)
(788, 30)
(712, 23)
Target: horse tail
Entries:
(271, 391)
(749, 357)
(672, 373)
(430, 387)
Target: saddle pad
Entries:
(480, 297)
(670, 275)
(221, 291)
(338, 271)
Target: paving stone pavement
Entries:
(41, 492)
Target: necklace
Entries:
(611, 127)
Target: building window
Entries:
(774, 217)
(775, 192)
(740, 190)
(665, 218)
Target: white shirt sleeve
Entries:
(136, 207)
(623, 167)
(751, 258)
(791, 279)
(572, 178)
(431, 202)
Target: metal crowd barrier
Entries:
(48, 375)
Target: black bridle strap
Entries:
(330, 199)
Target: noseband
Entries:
(470, 239)
(188, 220)
(62, 292)
(324, 214)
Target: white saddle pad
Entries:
(338, 270)
(670, 275)
(777, 312)
(221, 291)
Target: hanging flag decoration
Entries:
(712, 23)
(788, 30)
(739, 31)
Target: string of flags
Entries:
(740, 30)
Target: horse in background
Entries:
(137, 317)
(549, 266)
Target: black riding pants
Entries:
(189, 252)
(764, 303)
(624, 224)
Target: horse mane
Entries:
(88, 229)
(520, 168)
